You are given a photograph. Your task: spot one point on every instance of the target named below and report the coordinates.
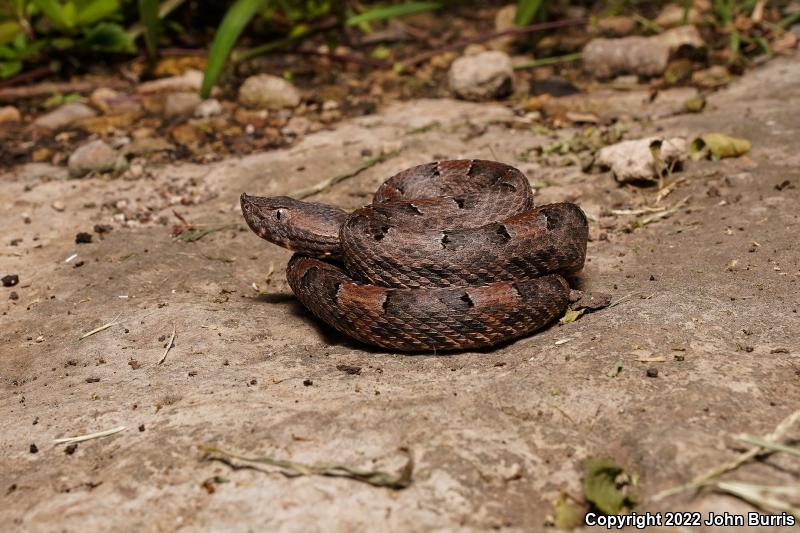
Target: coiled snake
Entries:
(450, 255)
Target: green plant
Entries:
(529, 10)
(242, 11)
(30, 28)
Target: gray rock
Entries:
(177, 104)
(633, 161)
(483, 76)
(64, 115)
(603, 58)
(645, 56)
(208, 108)
(264, 91)
(94, 156)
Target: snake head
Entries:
(269, 218)
(306, 227)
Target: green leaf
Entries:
(109, 37)
(226, 36)
(566, 514)
(9, 68)
(602, 485)
(718, 146)
(70, 12)
(62, 43)
(571, 316)
(527, 11)
(390, 12)
(55, 13)
(148, 13)
(381, 52)
(9, 29)
(95, 11)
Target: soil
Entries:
(710, 303)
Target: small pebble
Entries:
(13, 295)
(141, 428)
(34, 448)
(307, 382)
(652, 372)
(92, 380)
(79, 264)
(69, 450)
(83, 238)
(10, 280)
(58, 205)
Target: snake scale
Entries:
(450, 255)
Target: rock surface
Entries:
(264, 91)
(496, 435)
(483, 76)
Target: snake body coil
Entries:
(449, 255)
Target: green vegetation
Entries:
(52, 34)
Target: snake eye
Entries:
(279, 214)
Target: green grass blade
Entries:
(390, 12)
(148, 14)
(527, 11)
(226, 36)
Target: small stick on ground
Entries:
(535, 63)
(769, 445)
(323, 185)
(98, 329)
(90, 436)
(10, 94)
(170, 344)
(376, 478)
(706, 477)
(419, 58)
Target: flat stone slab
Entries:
(710, 300)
